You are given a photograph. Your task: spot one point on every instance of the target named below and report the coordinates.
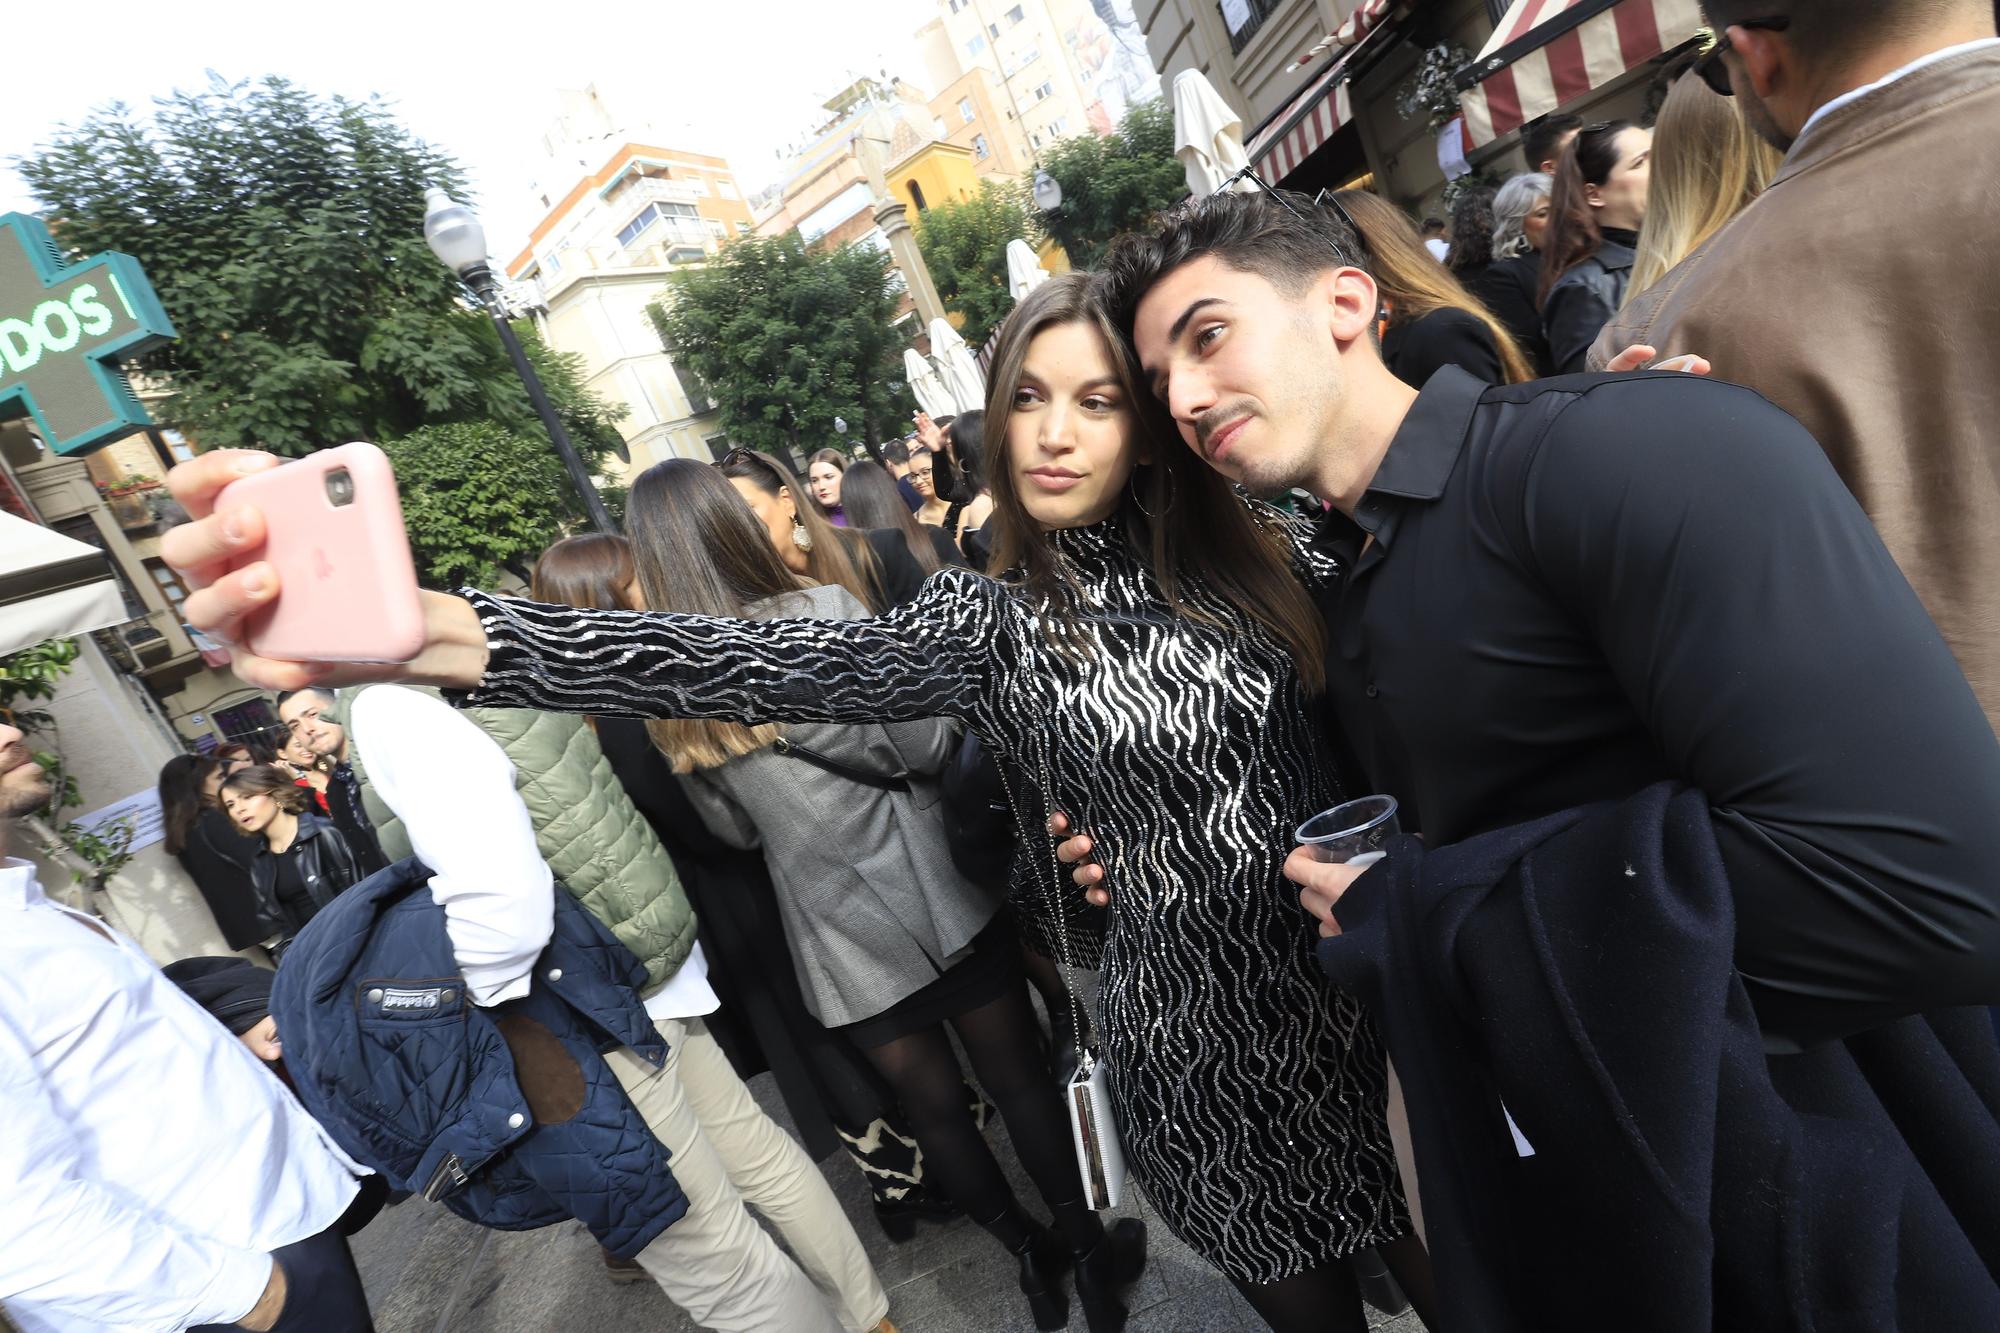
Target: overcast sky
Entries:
(735, 78)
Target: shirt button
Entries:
(516, 1120)
(1372, 691)
(555, 974)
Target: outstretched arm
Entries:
(927, 658)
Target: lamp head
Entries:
(453, 233)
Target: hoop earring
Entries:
(800, 537)
(1171, 497)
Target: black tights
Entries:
(1003, 1042)
(1326, 1299)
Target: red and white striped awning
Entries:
(1325, 104)
(1521, 78)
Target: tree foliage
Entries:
(284, 233)
(787, 338)
(1114, 184)
(964, 244)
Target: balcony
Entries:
(1259, 10)
(137, 508)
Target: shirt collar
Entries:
(19, 889)
(1856, 94)
(1426, 447)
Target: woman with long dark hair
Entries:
(961, 481)
(1430, 319)
(873, 564)
(889, 941)
(1147, 659)
(872, 501)
(215, 853)
(832, 1093)
(304, 862)
(1471, 234)
(1597, 206)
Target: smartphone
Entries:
(347, 588)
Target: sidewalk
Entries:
(429, 1271)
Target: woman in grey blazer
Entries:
(890, 942)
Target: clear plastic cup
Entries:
(1351, 834)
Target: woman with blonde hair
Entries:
(1429, 318)
(1708, 164)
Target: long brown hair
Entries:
(1573, 235)
(181, 797)
(270, 780)
(1414, 284)
(834, 459)
(1198, 533)
(874, 502)
(835, 555)
(700, 550)
(1707, 165)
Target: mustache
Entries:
(1222, 414)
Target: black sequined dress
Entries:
(1249, 1094)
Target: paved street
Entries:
(431, 1272)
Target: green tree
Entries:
(284, 233)
(1114, 184)
(964, 244)
(787, 338)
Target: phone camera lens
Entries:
(340, 487)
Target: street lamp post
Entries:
(454, 235)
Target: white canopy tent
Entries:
(52, 586)
(957, 370)
(1208, 135)
(931, 394)
(1024, 269)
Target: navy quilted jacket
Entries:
(509, 1114)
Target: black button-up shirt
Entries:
(1578, 587)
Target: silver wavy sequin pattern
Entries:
(1250, 1095)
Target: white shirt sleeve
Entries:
(453, 787)
(70, 1245)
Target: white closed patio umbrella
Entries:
(1024, 269)
(1208, 135)
(52, 586)
(924, 383)
(956, 368)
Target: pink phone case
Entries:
(347, 590)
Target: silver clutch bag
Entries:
(1100, 1157)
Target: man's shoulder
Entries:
(1618, 414)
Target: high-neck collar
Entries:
(1620, 236)
(18, 885)
(1093, 542)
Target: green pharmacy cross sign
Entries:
(65, 332)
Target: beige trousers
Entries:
(716, 1263)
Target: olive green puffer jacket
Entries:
(595, 840)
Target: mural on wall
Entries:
(1108, 50)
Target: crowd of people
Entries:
(1665, 1009)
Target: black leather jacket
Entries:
(1583, 301)
(326, 862)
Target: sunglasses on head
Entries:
(1325, 199)
(1710, 67)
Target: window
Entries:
(979, 148)
(716, 229)
(1059, 126)
(718, 445)
(1025, 59)
(917, 193)
(650, 214)
(965, 110)
(742, 229)
(1014, 16)
(551, 263)
(976, 47)
(170, 584)
(1045, 91)
(957, 5)
(725, 189)
(699, 184)
(1035, 140)
(992, 30)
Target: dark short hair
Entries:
(1539, 140)
(1433, 223)
(1838, 30)
(1251, 233)
(327, 698)
(895, 451)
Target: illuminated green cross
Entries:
(65, 332)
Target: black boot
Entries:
(898, 1216)
(1103, 1274)
(1044, 1259)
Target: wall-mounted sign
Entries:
(66, 332)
